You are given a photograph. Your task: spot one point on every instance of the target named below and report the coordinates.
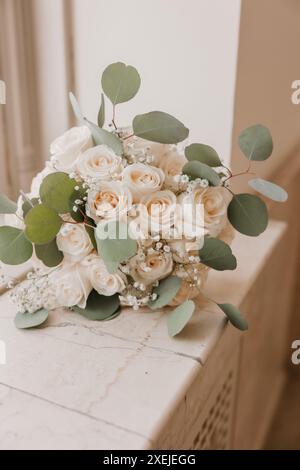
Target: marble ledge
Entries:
(127, 372)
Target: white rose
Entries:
(37, 181)
(142, 179)
(74, 241)
(110, 202)
(172, 163)
(157, 212)
(154, 267)
(67, 148)
(102, 281)
(99, 162)
(71, 286)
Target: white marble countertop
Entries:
(77, 384)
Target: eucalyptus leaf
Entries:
(234, 316)
(196, 169)
(100, 307)
(120, 82)
(166, 291)
(14, 246)
(56, 191)
(49, 254)
(202, 153)
(42, 224)
(217, 255)
(101, 114)
(29, 204)
(268, 189)
(248, 214)
(31, 320)
(256, 142)
(76, 108)
(6, 205)
(157, 126)
(103, 137)
(91, 233)
(114, 243)
(179, 317)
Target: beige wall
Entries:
(185, 51)
(268, 63)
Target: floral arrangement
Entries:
(130, 216)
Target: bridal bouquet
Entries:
(130, 216)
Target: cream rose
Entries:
(99, 163)
(154, 267)
(188, 289)
(74, 242)
(171, 164)
(182, 249)
(157, 212)
(71, 285)
(209, 204)
(67, 148)
(142, 179)
(102, 281)
(140, 148)
(111, 201)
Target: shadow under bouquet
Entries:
(130, 216)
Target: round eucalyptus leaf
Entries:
(49, 254)
(234, 316)
(217, 255)
(101, 114)
(157, 126)
(248, 214)
(91, 233)
(195, 169)
(31, 320)
(14, 246)
(179, 317)
(100, 307)
(202, 153)
(103, 137)
(56, 191)
(76, 108)
(256, 142)
(166, 291)
(42, 224)
(114, 243)
(268, 189)
(6, 205)
(120, 82)
(29, 204)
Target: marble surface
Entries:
(79, 384)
